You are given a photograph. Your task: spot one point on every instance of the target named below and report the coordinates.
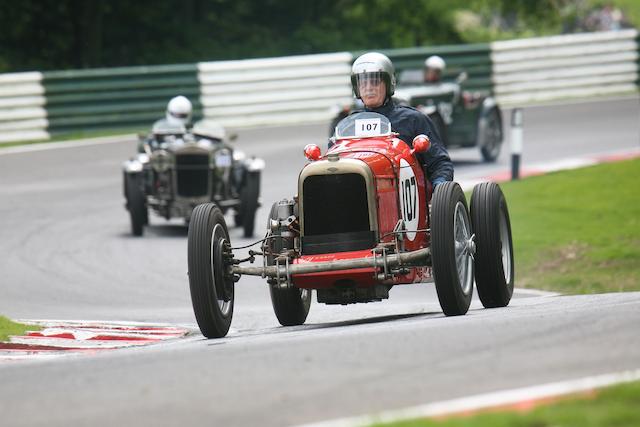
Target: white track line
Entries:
(487, 400)
(535, 292)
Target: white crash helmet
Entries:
(179, 110)
(435, 62)
(372, 64)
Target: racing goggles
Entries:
(179, 115)
(368, 81)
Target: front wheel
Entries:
(210, 279)
(494, 254)
(452, 249)
(291, 305)
(136, 203)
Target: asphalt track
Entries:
(66, 253)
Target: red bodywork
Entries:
(385, 156)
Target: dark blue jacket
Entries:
(409, 123)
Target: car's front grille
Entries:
(336, 214)
(192, 175)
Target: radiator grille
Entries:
(192, 175)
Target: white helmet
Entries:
(435, 62)
(373, 63)
(179, 110)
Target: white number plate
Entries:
(367, 127)
(223, 160)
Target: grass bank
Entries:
(578, 231)
(8, 328)
(613, 406)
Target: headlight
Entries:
(255, 164)
(238, 155)
(132, 166)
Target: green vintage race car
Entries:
(463, 118)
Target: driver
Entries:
(176, 122)
(433, 68)
(179, 111)
(373, 81)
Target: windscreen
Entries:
(363, 125)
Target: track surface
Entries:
(66, 253)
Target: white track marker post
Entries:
(516, 142)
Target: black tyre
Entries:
(291, 305)
(494, 247)
(136, 203)
(249, 197)
(211, 284)
(452, 249)
(492, 136)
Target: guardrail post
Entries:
(516, 142)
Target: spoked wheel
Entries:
(136, 204)
(494, 255)
(249, 196)
(210, 280)
(492, 137)
(452, 249)
(291, 305)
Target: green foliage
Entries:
(9, 328)
(61, 34)
(610, 407)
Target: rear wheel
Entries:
(492, 137)
(210, 281)
(452, 249)
(136, 204)
(249, 197)
(494, 255)
(291, 305)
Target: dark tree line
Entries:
(61, 34)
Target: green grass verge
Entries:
(609, 407)
(578, 231)
(8, 328)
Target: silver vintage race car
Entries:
(177, 169)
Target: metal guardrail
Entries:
(115, 98)
(302, 89)
(567, 66)
(22, 113)
(272, 91)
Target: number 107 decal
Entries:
(409, 200)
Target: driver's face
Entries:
(372, 92)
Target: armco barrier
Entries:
(115, 98)
(302, 89)
(295, 89)
(567, 66)
(22, 113)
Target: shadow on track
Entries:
(280, 330)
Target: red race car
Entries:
(365, 220)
